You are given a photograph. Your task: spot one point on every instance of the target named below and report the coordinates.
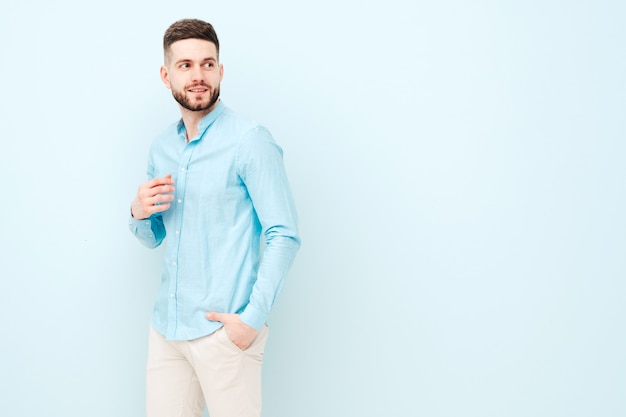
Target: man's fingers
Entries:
(158, 208)
(160, 199)
(237, 331)
(153, 196)
(148, 189)
(213, 316)
(163, 189)
(166, 180)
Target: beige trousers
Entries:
(184, 375)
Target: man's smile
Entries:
(198, 89)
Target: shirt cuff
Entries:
(138, 223)
(253, 317)
(142, 228)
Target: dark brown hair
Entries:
(189, 29)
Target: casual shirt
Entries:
(230, 189)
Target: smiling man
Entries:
(216, 186)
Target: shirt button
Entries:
(177, 232)
(174, 263)
(180, 201)
(171, 295)
(182, 170)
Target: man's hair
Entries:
(189, 29)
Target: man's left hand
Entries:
(237, 331)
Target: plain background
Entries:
(459, 172)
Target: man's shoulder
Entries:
(237, 123)
(172, 129)
(163, 141)
(168, 132)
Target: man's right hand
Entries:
(153, 196)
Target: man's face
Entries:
(193, 73)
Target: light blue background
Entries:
(459, 172)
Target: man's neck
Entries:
(191, 119)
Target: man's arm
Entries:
(153, 197)
(263, 171)
(261, 168)
(260, 164)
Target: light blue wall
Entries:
(459, 172)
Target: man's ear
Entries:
(165, 76)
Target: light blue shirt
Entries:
(231, 189)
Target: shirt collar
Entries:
(205, 122)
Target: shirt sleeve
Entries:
(150, 231)
(261, 168)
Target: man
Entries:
(216, 184)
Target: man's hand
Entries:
(237, 331)
(153, 196)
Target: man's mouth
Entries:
(197, 89)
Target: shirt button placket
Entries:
(181, 185)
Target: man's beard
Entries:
(183, 100)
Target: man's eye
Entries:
(184, 66)
(209, 65)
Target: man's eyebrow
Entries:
(183, 60)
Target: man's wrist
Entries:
(133, 216)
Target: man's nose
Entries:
(196, 73)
